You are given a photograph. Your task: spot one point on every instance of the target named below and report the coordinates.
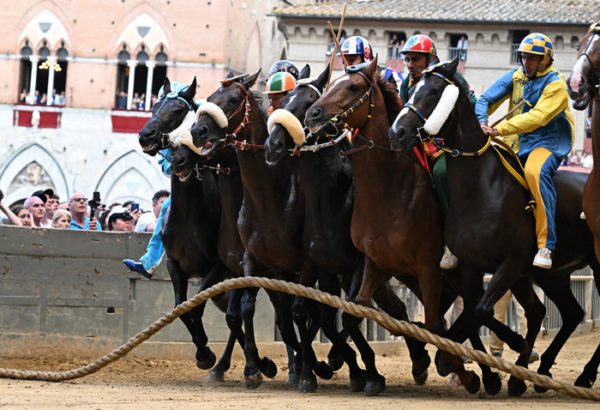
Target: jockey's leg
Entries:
(540, 167)
(155, 249)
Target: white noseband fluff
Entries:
(185, 127)
(187, 140)
(288, 121)
(215, 112)
(442, 110)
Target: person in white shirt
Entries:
(462, 46)
(147, 221)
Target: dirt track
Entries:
(137, 384)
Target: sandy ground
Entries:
(159, 384)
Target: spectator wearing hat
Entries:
(79, 214)
(11, 218)
(119, 220)
(147, 221)
(37, 209)
(61, 219)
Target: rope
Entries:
(383, 319)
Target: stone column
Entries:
(50, 92)
(131, 64)
(34, 67)
(150, 65)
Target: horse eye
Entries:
(232, 101)
(354, 88)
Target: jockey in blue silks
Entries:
(544, 126)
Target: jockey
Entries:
(155, 249)
(419, 53)
(544, 126)
(357, 50)
(278, 85)
(285, 66)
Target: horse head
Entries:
(184, 162)
(347, 102)
(167, 115)
(225, 114)
(428, 109)
(584, 81)
(285, 128)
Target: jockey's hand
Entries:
(489, 131)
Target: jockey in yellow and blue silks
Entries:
(544, 126)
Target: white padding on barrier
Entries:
(186, 126)
(215, 112)
(288, 121)
(442, 111)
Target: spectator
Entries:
(23, 214)
(79, 215)
(62, 101)
(46, 196)
(52, 206)
(394, 46)
(147, 221)
(11, 218)
(36, 208)
(574, 159)
(122, 100)
(43, 99)
(141, 105)
(134, 101)
(588, 161)
(119, 220)
(63, 205)
(462, 46)
(23, 96)
(135, 213)
(61, 219)
(153, 100)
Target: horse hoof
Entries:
(516, 387)
(584, 381)
(492, 384)
(358, 385)
(207, 363)
(307, 384)
(474, 385)
(335, 362)
(253, 381)
(442, 367)
(419, 369)
(323, 370)
(375, 387)
(216, 376)
(293, 378)
(268, 367)
(540, 389)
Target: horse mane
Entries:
(390, 97)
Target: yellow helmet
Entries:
(539, 44)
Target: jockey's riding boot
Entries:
(136, 266)
(449, 261)
(543, 258)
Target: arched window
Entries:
(25, 72)
(160, 71)
(41, 85)
(60, 75)
(122, 77)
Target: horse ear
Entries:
(323, 78)
(251, 79)
(453, 65)
(372, 67)
(189, 92)
(304, 73)
(167, 86)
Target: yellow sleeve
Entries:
(553, 101)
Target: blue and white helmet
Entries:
(357, 45)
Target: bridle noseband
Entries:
(594, 79)
(164, 136)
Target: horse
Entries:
(487, 227)
(583, 85)
(191, 230)
(271, 215)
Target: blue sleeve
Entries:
(165, 161)
(496, 93)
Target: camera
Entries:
(135, 207)
(94, 203)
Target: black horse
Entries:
(488, 228)
(270, 219)
(192, 226)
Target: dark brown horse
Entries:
(488, 227)
(271, 215)
(583, 86)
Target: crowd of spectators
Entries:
(43, 209)
(137, 103)
(578, 158)
(58, 99)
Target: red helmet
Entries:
(420, 43)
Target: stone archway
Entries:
(29, 169)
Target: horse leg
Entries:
(294, 359)
(534, 312)
(558, 290)
(330, 284)
(590, 370)
(491, 380)
(369, 280)
(389, 302)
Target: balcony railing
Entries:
(128, 121)
(41, 116)
(514, 54)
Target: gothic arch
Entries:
(15, 183)
(41, 24)
(131, 176)
(254, 54)
(157, 34)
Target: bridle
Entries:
(231, 139)
(594, 75)
(164, 136)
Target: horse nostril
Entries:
(315, 112)
(200, 132)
